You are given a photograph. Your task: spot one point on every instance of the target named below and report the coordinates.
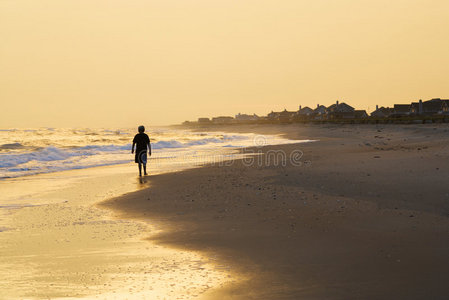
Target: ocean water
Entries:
(44, 150)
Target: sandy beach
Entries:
(56, 244)
(221, 150)
(364, 215)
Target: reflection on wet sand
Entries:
(67, 247)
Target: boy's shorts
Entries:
(141, 157)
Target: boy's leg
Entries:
(145, 169)
(140, 169)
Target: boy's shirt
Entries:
(141, 140)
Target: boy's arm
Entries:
(149, 147)
(134, 143)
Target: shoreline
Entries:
(55, 236)
(366, 217)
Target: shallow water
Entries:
(43, 150)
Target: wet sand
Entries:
(364, 216)
(56, 244)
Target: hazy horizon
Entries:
(122, 63)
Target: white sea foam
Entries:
(43, 150)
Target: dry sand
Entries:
(365, 216)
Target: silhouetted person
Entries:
(142, 142)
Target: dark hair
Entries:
(141, 128)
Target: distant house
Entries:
(382, 112)
(401, 110)
(283, 116)
(305, 111)
(319, 113)
(340, 107)
(320, 109)
(446, 110)
(203, 120)
(360, 114)
(273, 116)
(222, 120)
(286, 116)
(430, 107)
(245, 117)
(340, 111)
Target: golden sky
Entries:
(120, 63)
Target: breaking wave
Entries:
(17, 159)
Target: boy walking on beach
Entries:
(142, 142)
